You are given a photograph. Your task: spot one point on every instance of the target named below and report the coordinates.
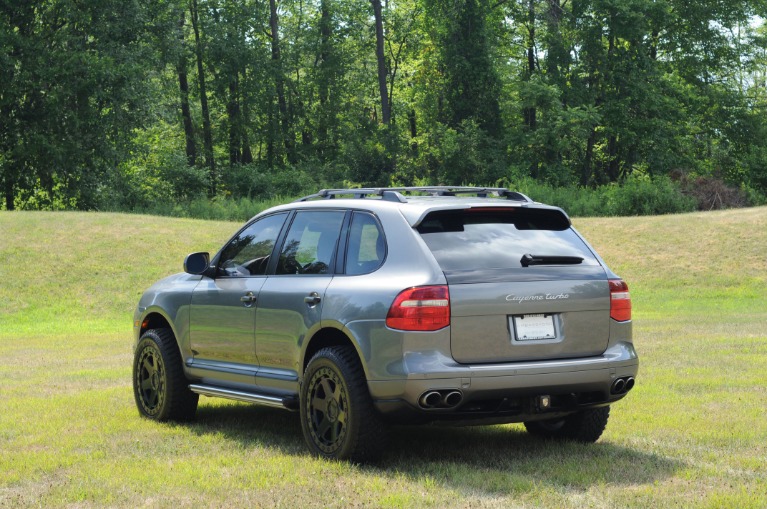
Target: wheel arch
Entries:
(328, 337)
(155, 319)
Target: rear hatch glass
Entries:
(523, 284)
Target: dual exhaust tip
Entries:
(451, 398)
(446, 398)
(622, 385)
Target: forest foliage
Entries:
(629, 106)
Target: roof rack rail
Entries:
(396, 193)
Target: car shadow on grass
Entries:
(507, 460)
(483, 459)
(251, 425)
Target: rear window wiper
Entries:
(529, 259)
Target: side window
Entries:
(248, 253)
(311, 243)
(367, 248)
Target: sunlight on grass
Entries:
(691, 434)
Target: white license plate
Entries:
(534, 327)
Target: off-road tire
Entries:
(585, 426)
(337, 414)
(159, 386)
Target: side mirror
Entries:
(196, 263)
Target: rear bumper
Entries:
(508, 392)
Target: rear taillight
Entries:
(421, 308)
(620, 300)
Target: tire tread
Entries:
(181, 403)
(369, 432)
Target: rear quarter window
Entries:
(367, 248)
(477, 239)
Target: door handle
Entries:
(248, 299)
(313, 299)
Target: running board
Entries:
(287, 402)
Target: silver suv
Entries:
(364, 307)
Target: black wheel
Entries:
(585, 426)
(159, 385)
(337, 414)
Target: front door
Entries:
(223, 311)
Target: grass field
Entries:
(693, 433)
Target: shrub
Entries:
(642, 196)
(639, 195)
(258, 182)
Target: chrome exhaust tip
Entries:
(452, 399)
(430, 399)
(618, 386)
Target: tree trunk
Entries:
(279, 82)
(556, 53)
(247, 155)
(613, 164)
(233, 112)
(529, 113)
(382, 72)
(183, 86)
(558, 57)
(531, 38)
(207, 135)
(557, 68)
(589, 156)
(323, 85)
(654, 41)
(270, 139)
(8, 191)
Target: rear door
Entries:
(290, 301)
(523, 285)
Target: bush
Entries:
(156, 174)
(640, 195)
(367, 156)
(449, 156)
(257, 182)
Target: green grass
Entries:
(691, 434)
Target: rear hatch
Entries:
(523, 284)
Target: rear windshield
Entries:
(479, 239)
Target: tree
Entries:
(128, 103)
(279, 83)
(183, 87)
(471, 88)
(76, 85)
(207, 132)
(381, 61)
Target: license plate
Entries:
(534, 327)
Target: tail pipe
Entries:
(452, 399)
(430, 399)
(622, 385)
(440, 399)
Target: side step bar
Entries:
(287, 402)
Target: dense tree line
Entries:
(109, 103)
